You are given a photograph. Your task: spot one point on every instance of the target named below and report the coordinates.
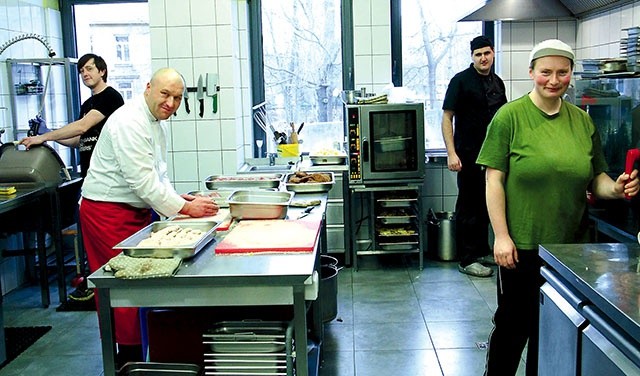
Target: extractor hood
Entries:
(528, 10)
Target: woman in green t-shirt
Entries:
(541, 154)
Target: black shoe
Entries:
(81, 294)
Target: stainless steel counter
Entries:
(607, 274)
(220, 280)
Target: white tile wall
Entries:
(204, 36)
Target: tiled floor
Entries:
(392, 320)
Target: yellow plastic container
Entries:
(288, 150)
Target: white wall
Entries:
(198, 37)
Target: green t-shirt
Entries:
(549, 162)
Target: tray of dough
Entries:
(164, 239)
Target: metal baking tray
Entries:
(392, 232)
(130, 247)
(259, 204)
(220, 197)
(399, 246)
(247, 337)
(309, 187)
(396, 219)
(158, 369)
(391, 144)
(243, 181)
(399, 202)
(328, 159)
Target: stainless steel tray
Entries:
(397, 202)
(399, 246)
(159, 369)
(328, 159)
(130, 247)
(396, 219)
(391, 144)
(244, 181)
(220, 197)
(309, 187)
(259, 205)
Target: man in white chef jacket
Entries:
(127, 178)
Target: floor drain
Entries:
(482, 345)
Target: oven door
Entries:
(393, 143)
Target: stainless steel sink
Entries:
(267, 168)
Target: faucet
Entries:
(272, 158)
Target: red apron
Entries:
(105, 224)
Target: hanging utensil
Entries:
(200, 96)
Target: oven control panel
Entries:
(355, 160)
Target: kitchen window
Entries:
(433, 48)
(297, 67)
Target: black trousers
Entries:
(472, 218)
(516, 319)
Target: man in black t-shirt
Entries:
(94, 112)
(84, 132)
(473, 97)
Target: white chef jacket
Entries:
(129, 162)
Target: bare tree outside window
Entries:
(303, 68)
(434, 48)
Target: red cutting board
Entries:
(272, 235)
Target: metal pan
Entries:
(244, 181)
(220, 197)
(130, 246)
(309, 187)
(259, 204)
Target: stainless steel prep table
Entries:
(595, 311)
(221, 280)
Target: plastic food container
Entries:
(259, 204)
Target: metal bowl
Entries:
(259, 204)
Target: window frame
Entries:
(256, 60)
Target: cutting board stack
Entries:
(630, 48)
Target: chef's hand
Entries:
(198, 206)
(30, 141)
(505, 252)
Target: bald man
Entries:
(127, 178)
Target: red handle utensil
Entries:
(632, 156)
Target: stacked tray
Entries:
(130, 246)
(396, 221)
(249, 348)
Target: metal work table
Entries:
(607, 274)
(222, 280)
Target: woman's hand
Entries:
(505, 252)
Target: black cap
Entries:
(479, 42)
